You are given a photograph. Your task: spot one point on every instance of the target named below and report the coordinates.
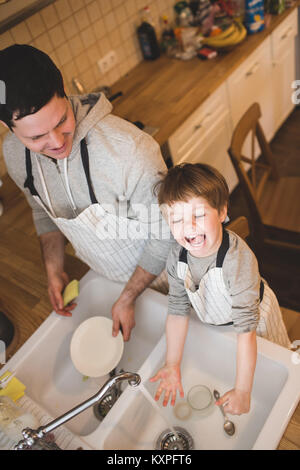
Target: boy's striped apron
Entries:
(213, 304)
(92, 232)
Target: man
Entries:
(85, 173)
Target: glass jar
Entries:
(13, 419)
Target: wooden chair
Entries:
(290, 317)
(240, 226)
(273, 201)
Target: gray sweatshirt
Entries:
(124, 161)
(241, 277)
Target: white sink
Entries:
(54, 386)
(44, 365)
(209, 358)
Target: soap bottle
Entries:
(147, 36)
(13, 419)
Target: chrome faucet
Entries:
(32, 436)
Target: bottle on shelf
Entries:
(147, 36)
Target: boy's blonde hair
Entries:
(188, 180)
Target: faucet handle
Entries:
(135, 380)
(30, 437)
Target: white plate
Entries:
(94, 351)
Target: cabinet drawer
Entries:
(282, 35)
(212, 149)
(201, 120)
(250, 83)
(250, 68)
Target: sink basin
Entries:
(209, 359)
(44, 365)
(54, 386)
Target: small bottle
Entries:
(239, 9)
(168, 40)
(14, 419)
(147, 37)
(277, 7)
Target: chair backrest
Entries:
(240, 226)
(252, 184)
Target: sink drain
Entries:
(168, 440)
(105, 405)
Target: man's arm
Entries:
(140, 176)
(53, 253)
(123, 308)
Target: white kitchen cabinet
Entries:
(283, 68)
(252, 82)
(205, 137)
(265, 77)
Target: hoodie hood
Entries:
(88, 111)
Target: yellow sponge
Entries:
(15, 388)
(71, 292)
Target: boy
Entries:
(214, 271)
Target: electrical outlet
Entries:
(112, 58)
(108, 62)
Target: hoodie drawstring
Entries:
(68, 185)
(45, 187)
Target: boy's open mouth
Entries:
(197, 240)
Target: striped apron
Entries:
(106, 242)
(213, 304)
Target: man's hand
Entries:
(56, 286)
(235, 402)
(123, 308)
(53, 248)
(123, 318)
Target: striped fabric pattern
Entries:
(113, 258)
(212, 303)
(210, 306)
(271, 325)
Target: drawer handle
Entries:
(198, 126)
(286, 34)
(253, 69)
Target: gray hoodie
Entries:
(124, 161)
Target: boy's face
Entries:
(50, 130)
(196, 225)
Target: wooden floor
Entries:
(23, 283)
(23, 286)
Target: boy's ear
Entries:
(223, 213)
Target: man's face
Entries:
(50, 130)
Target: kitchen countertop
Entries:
(165, 92)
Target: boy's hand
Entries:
(235, 402)
(170, 382)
